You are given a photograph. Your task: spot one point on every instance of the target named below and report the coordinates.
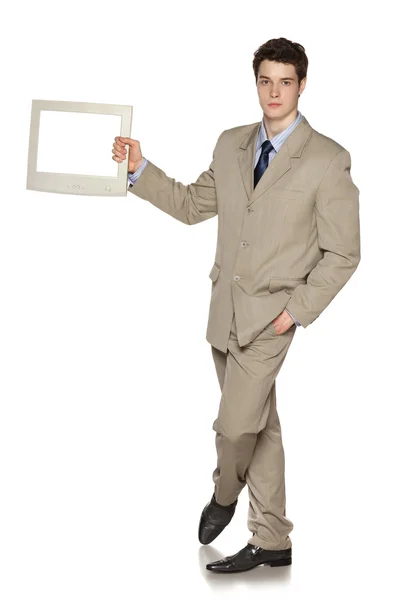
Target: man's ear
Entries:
(302, 84)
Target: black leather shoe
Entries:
(250, 557)
(214, 519)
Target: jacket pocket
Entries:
(213, 275)
(276, 284)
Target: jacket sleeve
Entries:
(338, 231)
(190, 204)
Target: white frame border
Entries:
(67, 183)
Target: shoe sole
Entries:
(283, 562)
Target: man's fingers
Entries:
(120, 156)
(125, 140)
(118, 148)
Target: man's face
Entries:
(277, 83)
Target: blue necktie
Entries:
(262, 161)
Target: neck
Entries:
(275, 126)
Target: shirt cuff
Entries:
(133, 176)
(294, 319)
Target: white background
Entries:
(108, 388)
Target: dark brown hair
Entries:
(284, 51)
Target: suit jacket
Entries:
(293, 241)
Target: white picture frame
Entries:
(71, 183)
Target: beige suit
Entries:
(293, 241)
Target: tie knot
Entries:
(266, 147)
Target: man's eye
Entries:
(265, 81)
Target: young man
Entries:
(288, 241)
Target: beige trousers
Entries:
(248, 433)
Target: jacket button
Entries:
(249, 209)
(244, 244)
(237, 277)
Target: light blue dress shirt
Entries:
(133, 176)
(276, 142)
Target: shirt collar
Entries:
(280, 138)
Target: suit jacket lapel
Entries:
(282, 162)
(246, 158)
